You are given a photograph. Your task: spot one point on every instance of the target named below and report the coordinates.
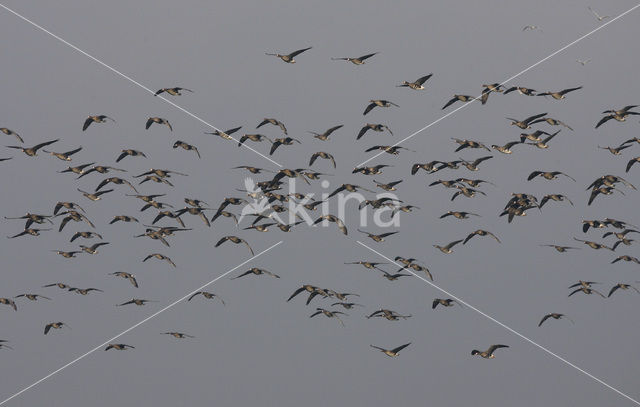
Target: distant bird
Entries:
(554, 315)
(224, 134)
(137, 301)
(548, 175)
(328, 314)
(54, 325)
(95, 196)
(159, 257)
(10, 302)
(388, 315)
(32, 297)
(256, 271)
(289, 57)
(355, 61)
(594, 245)
(418, 84)
(347, 305)
(95, 119)
(158, 120)
(322, 154)
(631, 162)
(521, 90)
(444, 302)
(622, 286)
(391, 186)
(379, 103)
(116, 181)
(458, 215)
(206, 295)
(79, 169)
(94, 248)
(391, 352)
(67, 205)
(480, 232)
(447, 249)
(286, 141)
(586, 290)
(626, 258)
(274, 122)
(526, 123)
(178, 335)
(67, 255)
(488, 354)
(126, 275)
(253, 137)
(102, 169)
(28, 231)
(560, 94)
(118, 346)
(393, 150)
(458, 98)
(377, 238)
(554, 197)
(473, 165)
(33, 151)
(334, 219)
(172, 91)
(66, 156)
(375, 127)
(236, 240)
(542, 144)
(598, 16)
(84, 291)
(10, 132)
(583, 62)
(130, 153)
(531, 28)
(560, 249)
(186, 146)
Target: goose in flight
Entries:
(594, 245)
(95, 196)
(130, 153)
(236, 240)
(256, 271)
(178, 335)
(531, 28)
(67, 255)
(286, 141)
(618, 115)
(197, 211)
(447, 249)
(10, 302)
(598, 16)
(631, 162)
(458, 98)
(137, 301)
(161, 173)
(94, 248)
(322, 154)
(334, 219)
(375, 170)
(325, 136)
(102, 169)
(391, 352)
(583, 62)
(159, 256)
(540, 143)
(549, 175)
(468, 192)
(554, 315)
(355, 61)
(95, 119)
(468, 144)
(367, 264)
(61, 286)
(177, 91)
(526, 123)
(554, 197)
(418, 84)
(480, 232)
(66, 156)
(119, 346)
(488, 354)
(347, 305)
(391, 186)
(348, 188)
(560, 249)
(116, 181)
(393, 150)
(54, 325)
(66, 205)
(388, 315)
(10, 132)
(521, 90)
(473, 165)
(224, 134)
(622, 286)
(587, 290)
(253, 137)
(33, 151)
(274, 122)
(289, 57)
(448, 302)
(84, 291)
(459, 214)
(328, 314)
(377, 238)
(373, 126)
(560, 94)
(379, 103)
(128, 276)
(77, 169)
(28, 231)
(186, 146)
(32, 297)
(208, 295)
(158, 120)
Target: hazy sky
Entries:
(259, 348)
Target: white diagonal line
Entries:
(513, 331)
(112, 69)
(136, 325)
(507, 81)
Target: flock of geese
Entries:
(530, 132)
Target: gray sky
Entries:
(258, 348)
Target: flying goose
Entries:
(348, 188)
(186, 146)
(554, 315)
(473, 165)
(458, 98)
(117, 181)
(84, 291)
(95, 196)
(77, 169)
(196, 211)
(631, 162)
(128, 276)
(177, 91)
(449, 302)
(328, 314)
(334, 219)
(521, 90)
(224, 134)
(347, 305)
(289, 57)
(54, 325)
(468, 192)
(388, 315)
(32, 297)
(594, 245)
(468, 144)
(286, 141)
(560, 249)
(118, 346)
(587, 290)
(598, 16)
(549, 175)
(377, 238)
(33, 151)
(554, 197)
(10, 302)
(236, 240)
(178, 335)
(391, 186)
(206, 294)
(28, 231)
(355, 61)
(447, 249)
(325, 136)
(391, 352)
(252, 137)
(95, 119)
(158, 120)
(274, 122)
(322, 154)
(67, 255)
(459, 214)
(393, 150)
(418, 84)
(130, 152)
(66, 156)
(378, 102)
(94, 248)
(367, 264)
(66, 205)
(137, 301)
(159, 256)
(102, 169)
(480, 232)
(622, 286)
(526, 123)
(256, 271)
(375, 127)
(560, 94)
(488, 354)
(375, 170)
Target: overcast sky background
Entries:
(259, 348)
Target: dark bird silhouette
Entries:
(458, 98)
(33, 151)
(488, 354)
(95, 119)
(130, 153)
(391, 352)
(236, 240)
(289, 58)
(172, 91)
(158, 120)
(206, 294)
(375, 127)
(186, 146)
(378, 103)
